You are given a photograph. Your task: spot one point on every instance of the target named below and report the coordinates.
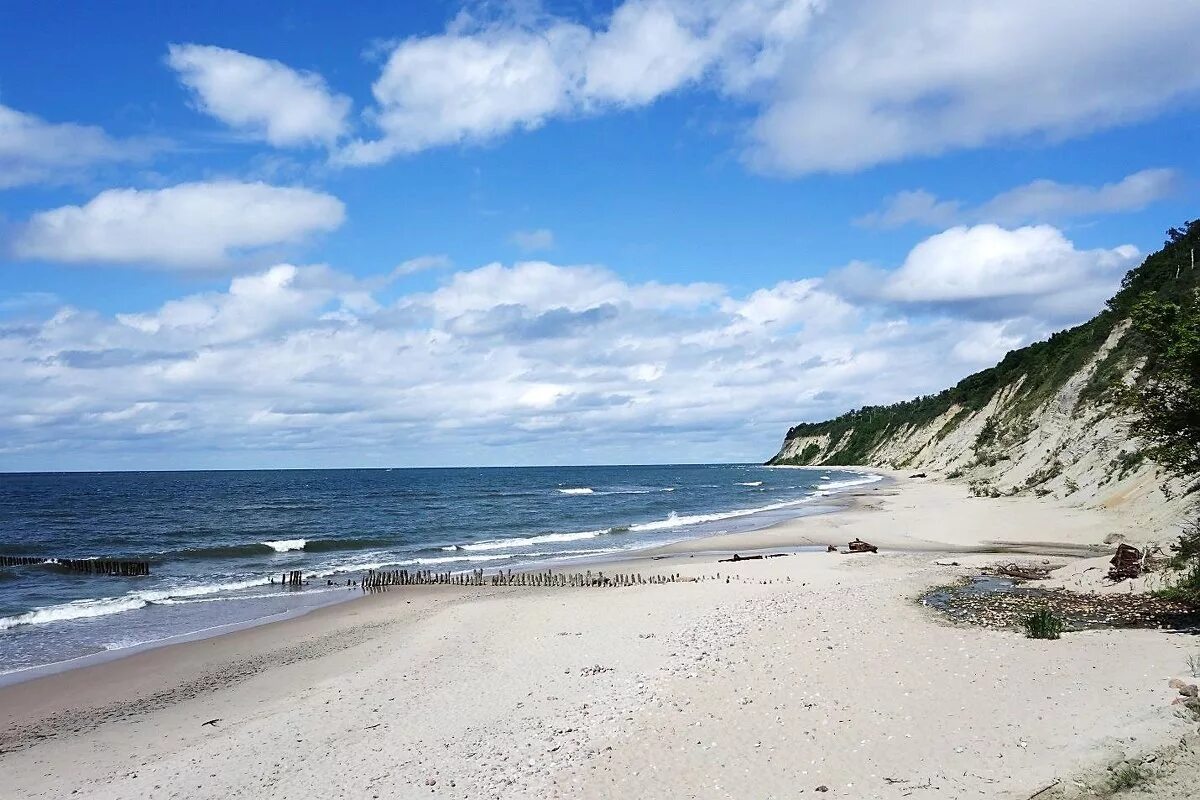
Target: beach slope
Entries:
(809, 674)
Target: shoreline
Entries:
(581, 692)
(561, 563)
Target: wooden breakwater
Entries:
(548, 579)
(88, 566)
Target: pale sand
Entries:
(761, 687)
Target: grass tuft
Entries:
(1126, 777)
(1043, 624)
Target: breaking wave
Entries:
(602, 492)
(255, 549)
(286, 545)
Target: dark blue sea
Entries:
(215, 540)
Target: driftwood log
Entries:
(737, 557)
(1020, 572)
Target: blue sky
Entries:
(514, 232)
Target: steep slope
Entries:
(1046, 420)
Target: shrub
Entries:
(987, 434)
(1185, 561)
(1043, 624)
(1184, 586)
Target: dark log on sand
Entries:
(1126, 563)
(738, 557)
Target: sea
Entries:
(218, 542)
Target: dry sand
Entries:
(781, 677)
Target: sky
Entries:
(491, 233)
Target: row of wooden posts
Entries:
(89, 566)
(404, 577)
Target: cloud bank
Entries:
(832, 87)
(526, 362)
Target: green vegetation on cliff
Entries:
(1164, 280)
(1166, 401)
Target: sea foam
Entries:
(675, 520)
(104, 606)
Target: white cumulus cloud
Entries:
(261, 97)
(990, 272)
(33, 150)
(191, 225)
(478, 82)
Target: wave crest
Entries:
(528, 541)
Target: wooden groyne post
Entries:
(402, 577)
(88, 566)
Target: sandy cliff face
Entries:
(1047, 420)
(1069, 446)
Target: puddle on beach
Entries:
(997, 602)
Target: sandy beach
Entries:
(810, 674)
